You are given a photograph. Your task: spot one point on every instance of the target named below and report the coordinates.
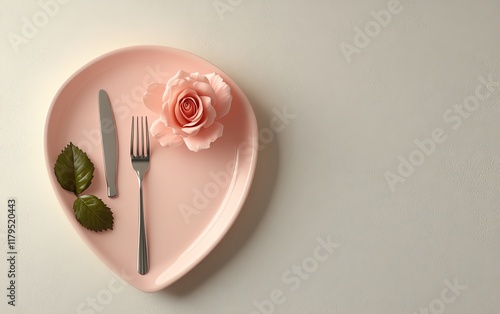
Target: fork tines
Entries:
(141, 148)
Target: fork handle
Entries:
(142, 243)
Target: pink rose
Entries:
(189, 106)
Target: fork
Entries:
(139, 155)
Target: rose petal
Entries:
(173, 92)
(153, 97)
(182, 119)
(164, 134)
(167, 114)
(204, 138)
(205, 89)
(223, 92)
(191, 130)
(189, 108)
(210, 113)
(198, 77)
(170, 116)
(197, 117)
(177, 80)
(178, 76)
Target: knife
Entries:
(109, 143)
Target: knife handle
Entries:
(111, 181)
(112, 190)
(110, 173)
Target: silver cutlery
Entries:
(109, 143)
(139, 154)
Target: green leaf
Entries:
(74, 172)
(92, 213)
(73, 169)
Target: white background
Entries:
(322, 176)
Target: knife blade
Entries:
(109, 142)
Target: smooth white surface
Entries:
(321, 176)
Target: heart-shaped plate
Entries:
(191, 199)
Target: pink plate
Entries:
(191, 199)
